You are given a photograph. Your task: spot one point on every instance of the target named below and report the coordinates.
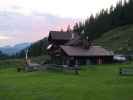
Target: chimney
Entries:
(72, 35)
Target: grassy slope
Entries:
(101, 82)
(119, 39)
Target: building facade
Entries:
(68, 48)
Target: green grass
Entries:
(118, 40)
(95, 82)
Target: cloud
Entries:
(29, 28)
(5, 40)
(69, 8)
(4, 37)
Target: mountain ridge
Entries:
(11, 50)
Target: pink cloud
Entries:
(31, 28)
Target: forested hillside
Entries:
(107, 19)
(3, 56)
(119, 40)
(36, 49)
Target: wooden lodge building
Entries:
(68, 48)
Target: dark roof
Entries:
(92, 51)
(74, 42)
(57, 35)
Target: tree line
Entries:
(36, 49)
(3, 56)
(107, 19)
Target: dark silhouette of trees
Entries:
(69, 28)
(105, 20)
(36, 49)
(3, 56)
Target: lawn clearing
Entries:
(95, 82)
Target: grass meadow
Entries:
(95, 82)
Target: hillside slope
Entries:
(119, 40)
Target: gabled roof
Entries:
(57, 35)
(92, 51)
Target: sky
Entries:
(31, 20)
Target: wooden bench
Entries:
(126, 71)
